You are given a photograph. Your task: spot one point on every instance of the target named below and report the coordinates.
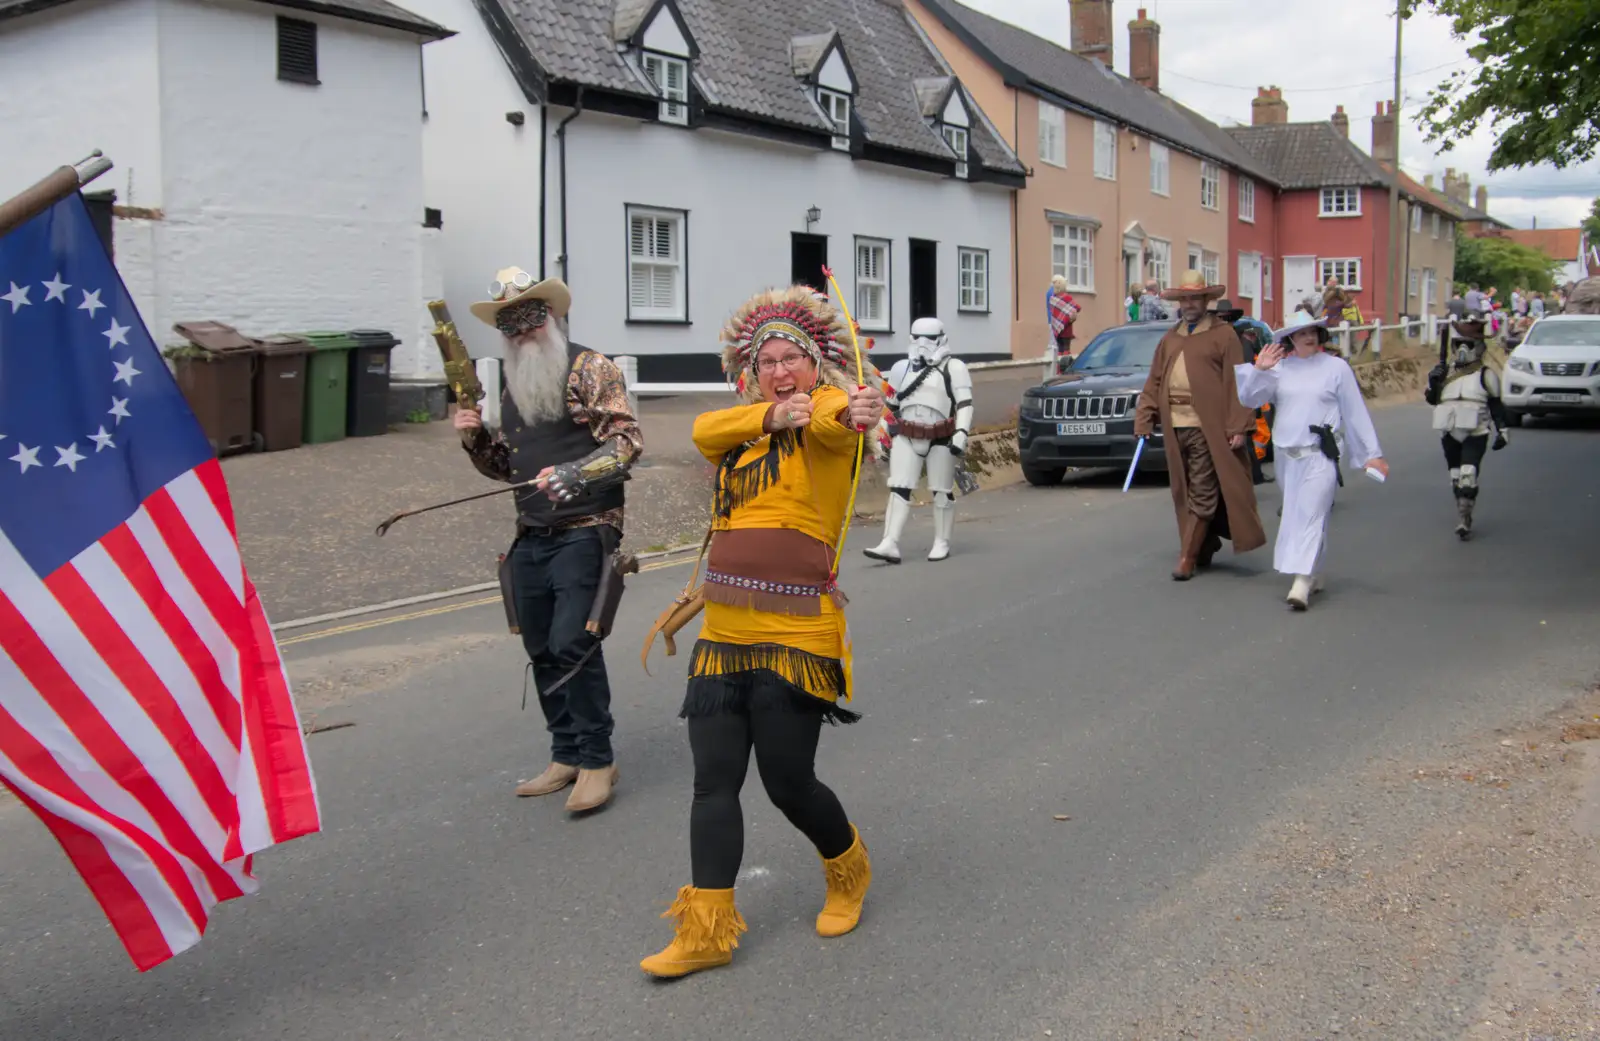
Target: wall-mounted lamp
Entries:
(812, 216)
(516, 119)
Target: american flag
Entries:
(145, 716)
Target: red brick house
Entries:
(1332, 211)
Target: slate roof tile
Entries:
(747, 62)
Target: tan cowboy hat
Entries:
(1192, 284)
(513, 285)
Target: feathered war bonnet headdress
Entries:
(798, 314)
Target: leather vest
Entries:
(534, 446)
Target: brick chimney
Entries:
(1460, 187)
(1268, 107)
(1383, 149)
(1144, 51)
(1427, 180)
(1341, 121)
(1091, 29)
(1483, 198)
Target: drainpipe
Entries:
(561, 133)
(544, 182)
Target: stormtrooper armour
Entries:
(931, 402)
(1467, 409)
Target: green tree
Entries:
(1503, 263)
(1591, 223)
(1535, 80)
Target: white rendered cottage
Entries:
(697, 151)
(268, 155)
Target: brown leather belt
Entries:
(927, 431)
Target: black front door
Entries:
(924, 279)
(808, 255)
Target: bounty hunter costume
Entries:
(931, 405)
(1464, 391)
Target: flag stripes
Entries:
(174, 746)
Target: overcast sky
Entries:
(1214, 53)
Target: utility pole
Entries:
(1397, 276)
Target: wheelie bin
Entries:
(280, 391)
(214, 370)
(369, 382)
(327, 386)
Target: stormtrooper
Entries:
(1464, 390)
(930, 402)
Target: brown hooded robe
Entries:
(1210, 353)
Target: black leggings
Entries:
(784, 738)
(1465, 453)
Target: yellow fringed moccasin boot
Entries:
(848, 875)
(708, 931)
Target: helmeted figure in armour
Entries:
(930, 405)
(1464, 390)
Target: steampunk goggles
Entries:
(499, 290)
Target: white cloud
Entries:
(1215, 53)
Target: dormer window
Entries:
(671, 78)
(656, 42)
(953, 125)
(819, 62)
(836, 107)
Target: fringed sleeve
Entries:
(830, 420)
(720, 432)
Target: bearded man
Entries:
(567, 424)
(1192, 393)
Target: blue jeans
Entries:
(554, 577)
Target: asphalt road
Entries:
(1050, 666)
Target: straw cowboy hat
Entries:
(513, 285)
(1192, 284)
(1301, 320)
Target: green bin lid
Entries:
(329, 341)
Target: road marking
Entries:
(356, 627)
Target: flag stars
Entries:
(125, 373)
(55, 289)
(26, 457)
(17, 298)
(91, 302)
(119, 408)
(69, 457)
(117, 334)
(102, 440)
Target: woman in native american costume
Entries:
(773, 659)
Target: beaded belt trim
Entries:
(757, 585)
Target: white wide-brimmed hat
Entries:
(1297, 321)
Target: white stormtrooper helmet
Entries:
(929, 343)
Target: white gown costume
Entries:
(931, 402)
(1305, 393)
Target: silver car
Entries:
(1555, 370)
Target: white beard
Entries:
(536, 375)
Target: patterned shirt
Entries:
(597, 395)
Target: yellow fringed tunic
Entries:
(768, 492)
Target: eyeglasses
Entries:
(498, 290)
(788, 361)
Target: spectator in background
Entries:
(1475, 300)
(1131, 304)
(1060, 309)
(1151, 309)
(1536, 305)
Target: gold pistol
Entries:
(459, 369)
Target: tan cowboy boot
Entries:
(593, 789)
(848, 875)
(1194, 535)
(556, 776)
(708, 930)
